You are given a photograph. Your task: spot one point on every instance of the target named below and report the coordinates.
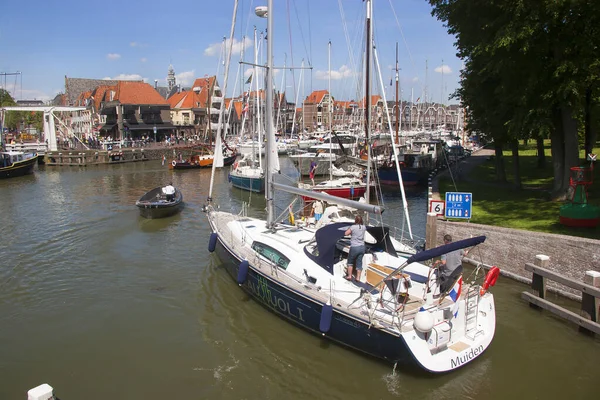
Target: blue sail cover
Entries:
(438, 251)
(326, 238)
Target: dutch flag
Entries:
(455, 294)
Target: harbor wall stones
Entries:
(511, 249)
(95, 157)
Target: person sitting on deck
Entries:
(169, 192)
(450, 266)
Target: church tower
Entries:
(171, 78)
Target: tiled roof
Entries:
(316, 97)
(98, 95)
(237, 106)
(185, 100)
(130, 92)
(374, 100)
(342, 105)
(75, 86)
(202, 86)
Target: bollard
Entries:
(590, 305)
(538, 282)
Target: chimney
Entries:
(179, 88)
(156, 84)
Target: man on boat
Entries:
(450, 266)
(311, 171)
(169, 192)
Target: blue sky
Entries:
(46, 40)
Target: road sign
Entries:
(458, 205)
(437, 206)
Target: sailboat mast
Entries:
(329, 109)
(269, 120)
(368, 48)
(218, 153)
(397, 104)
(257, 103)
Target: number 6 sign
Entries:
(437, 206)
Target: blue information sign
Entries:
(458, 205)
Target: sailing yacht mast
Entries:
(329, 110)
(269, 190)
(368, 95)
(257, 102)
(397, 104)
(218, 154)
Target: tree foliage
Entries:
(14, 120)
(532, 69)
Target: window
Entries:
(271, 254)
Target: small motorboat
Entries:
(16, 163)
(159, 203)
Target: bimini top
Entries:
(446, 248)
(327, 237)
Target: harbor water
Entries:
(103, 304)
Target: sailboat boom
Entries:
(370, 208)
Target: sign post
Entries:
(437, 207)
(458, 205)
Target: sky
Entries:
(47, 40)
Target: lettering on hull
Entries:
(466, 357)
(262, 293)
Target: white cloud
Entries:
(215, 48)
(113, 56)
(343, 72)
(443, 69)
(126, 77)
(30, 94)
(415, 79)
(143, 59)
(185, 78)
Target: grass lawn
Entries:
(529, 208)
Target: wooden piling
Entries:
(431, 231)
(589, 303)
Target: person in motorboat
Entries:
(169, 192)
(357, 247)
(450, 266)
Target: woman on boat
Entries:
(357, 247)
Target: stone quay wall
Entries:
(511, 249)
(95, 157)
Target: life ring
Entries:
(173, 163)
(490, 280)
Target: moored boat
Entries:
(344, 187)
(396, 311)
(16, 163)
(159, 203)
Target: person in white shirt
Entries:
(317, 210)
(169, 192)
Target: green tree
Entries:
(539, 63)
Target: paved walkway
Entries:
(464, 166)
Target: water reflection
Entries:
(94, 296)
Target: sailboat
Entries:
(396, 312)
(248, 174)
